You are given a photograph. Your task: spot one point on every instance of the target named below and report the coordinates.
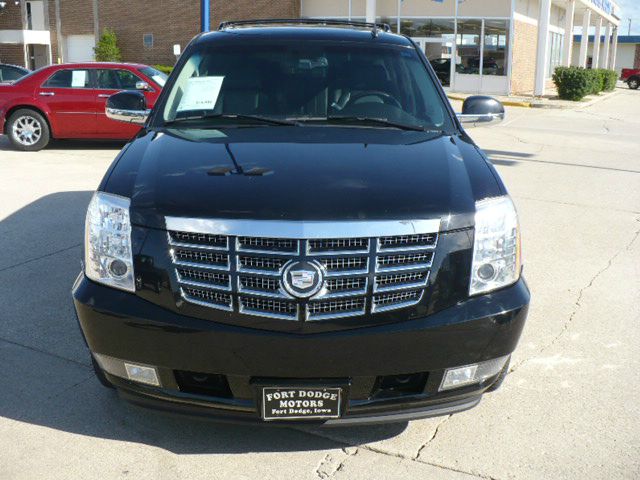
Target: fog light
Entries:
(471, 374)
(142, 374)
(131, 371)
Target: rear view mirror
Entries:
(144, 86)
(128, 107)
(480, 111)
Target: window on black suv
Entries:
(324, 83)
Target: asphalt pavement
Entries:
(568, 410)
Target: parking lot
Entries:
(569, 408)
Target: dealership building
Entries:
(477, 46)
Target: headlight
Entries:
(496, 249)
(107, 246)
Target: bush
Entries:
(572, 83)
(107, 49)
(164, 68)
(609, 80)
(575, 83)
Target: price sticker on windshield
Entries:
(201, 93)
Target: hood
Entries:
(302, 173)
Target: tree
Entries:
(107, 49)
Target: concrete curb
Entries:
(507, 103)
(548, 104)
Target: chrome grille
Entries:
(200, 239)
(208, 298)
(405, 260)
(242, 273)
(405, 242)
(268, 307)
(205, 278)
(205, 258)
(267, 244)
(259, 284)
(333, 308)
(392, 301)
(338, 245)
(262, 263)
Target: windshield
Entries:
(156, 75)
(306, 82)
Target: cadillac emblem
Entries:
(303, 279)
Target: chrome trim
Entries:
(196, 246)
(327, 316)
(263, 313)
(240, 249)
(394, 306)
(137, 117)
(382, 251)
(401, 286)
(302, 229)
(400, 268)
(482, 120)
(226, 308)
(194, 283)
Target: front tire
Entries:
(28, 130)
(634, 83)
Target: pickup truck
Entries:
(631, 76)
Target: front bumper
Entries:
(124, 326)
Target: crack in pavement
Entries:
(31, 260)
(328, 467)
(347, 446)
(44, 352)
(435, 433)
(578, 302)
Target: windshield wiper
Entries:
(229, 116)
(377, 121)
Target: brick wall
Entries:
(12, 53)
(11, 19)
(76, 17)
(50, 6)
(173, 22)
(525, 44)
(636, 62)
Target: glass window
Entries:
(69, 79)
(496, 46)
(312, 81)
(156, 75)
(468, 45)
(112, 79)
(8, 74)
(556, 41)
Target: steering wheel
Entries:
(384, 96)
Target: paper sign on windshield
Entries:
(201, 93)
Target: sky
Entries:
(629, 9)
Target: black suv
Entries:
(302, 232)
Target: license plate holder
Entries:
(301, 403)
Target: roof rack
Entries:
(374, 27)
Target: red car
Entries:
(631, 76)
(68, 101)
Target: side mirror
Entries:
(480, 111)
(128, 107)
(143, 86)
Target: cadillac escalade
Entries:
(302, 232)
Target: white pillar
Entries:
(614, 50)
(568, 33)
(596, 44)
(584, 43)
(542, 56)
(607, 47)
(371, 11)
